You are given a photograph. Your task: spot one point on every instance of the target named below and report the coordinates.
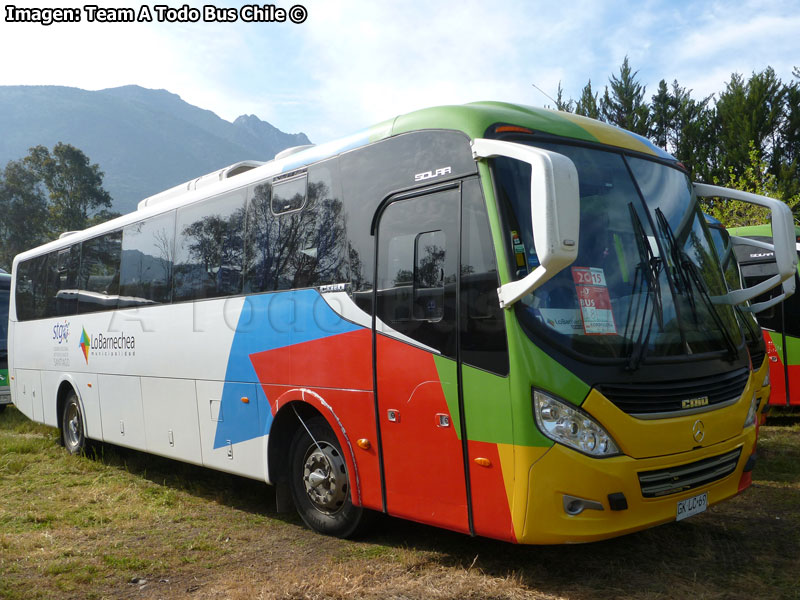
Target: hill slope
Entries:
(144, 140)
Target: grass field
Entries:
(121, 524)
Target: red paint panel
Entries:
(339, 361)
(423, 462)
(490, 510)
(353, 418)
(777, 394)
(777, 378)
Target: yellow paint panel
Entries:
(608, 134)
(516, 463)
(563, 471)
(642, 438)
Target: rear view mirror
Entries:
(783, 243)
(555, 211)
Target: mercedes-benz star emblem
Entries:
(698, 431)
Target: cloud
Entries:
(355, 63)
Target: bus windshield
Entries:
(642, 284)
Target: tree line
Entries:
(746, 137)
(47, 193)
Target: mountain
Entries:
(145, 141)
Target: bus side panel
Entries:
(29, 393)
(778, 371)
(170, 418)
(121, 410)
(240, 447)
(333, 373)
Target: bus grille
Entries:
(758, 359)
(686, 477)
(668, 396)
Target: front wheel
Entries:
(72, 425)
(319, 481)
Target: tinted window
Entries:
(298, 249)
(31, 299)
(209, 248)
(99, 274)
(289, 194)
(62, 287)
(4, 298)
(483, 335)
(370, 174)
(147, 255)
(417, 269)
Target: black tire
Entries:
(319, 481)
(73, 432)
(2, 407)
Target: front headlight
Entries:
(751, 414)
(569, 425)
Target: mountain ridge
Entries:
(144, 140)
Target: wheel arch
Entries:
(290, 407)
(65, 386)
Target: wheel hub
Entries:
(325, 477)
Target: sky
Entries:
(353, 63)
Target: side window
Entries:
(429, 262)
(147, 256)
(30, 295)
(483, 333)
(289, 194)
(209, 248)
(417, 269)
(63, 295)
(99, 275)
(295, 249)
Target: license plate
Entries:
(692, 506)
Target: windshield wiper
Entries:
(688, 274)
(649, 267)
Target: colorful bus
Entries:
(5, 392)
(501, 320)
(781, 322)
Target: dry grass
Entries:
(120, 524)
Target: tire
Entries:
(319, 481)
(2, 407)
(73, 433)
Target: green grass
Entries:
(121, 524)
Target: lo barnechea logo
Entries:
(114, 344)
(85, 343)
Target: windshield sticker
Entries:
(563, 320)
(595, 303)
(519, 249)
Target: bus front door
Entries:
(415, 357)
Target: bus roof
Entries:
(475, 118)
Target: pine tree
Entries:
(587, 103)
(624, 105)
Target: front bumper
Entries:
(561, 472)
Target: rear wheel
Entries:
(319, 481)
(72, 425)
